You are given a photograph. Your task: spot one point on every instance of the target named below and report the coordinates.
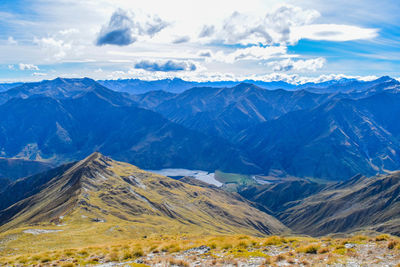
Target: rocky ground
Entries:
(369, 254)
(380, 250)
(374, 252)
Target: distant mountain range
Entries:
(136, 86)
(326, 135)
(311, 130)
(176, 85)
(52, 122)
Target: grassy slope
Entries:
(360, 203)
(225, 250)
(132, 203)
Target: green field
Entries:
(233, 181)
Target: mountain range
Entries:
(325, 135)
(309, 131)
(177, 85)
(98, 194)
(60, 125)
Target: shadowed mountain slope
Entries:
(335, 141)
(65, 129)
(244, 129)
(18, 168)
(62, 88)
(225, 111)
(98, 189)
(358, 204)
(275, 196)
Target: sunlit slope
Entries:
(98, 192)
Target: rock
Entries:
(140, 261)
(199, 250)
(98, 220)
(40, 231)
(349, 245)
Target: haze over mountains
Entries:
(310, 130)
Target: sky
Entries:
(291, 40)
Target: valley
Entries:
(257, 133)
(306, 132)
(98, 210)
(213, 176)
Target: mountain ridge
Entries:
(359, 204)
(61, 130)
(98, 189)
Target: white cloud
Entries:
(298, 65)
(284, 25)
(69, 31)
(23, 66)
(39, 74)
(251, 53)
(12, 41)
(272, 28)
(11, 67)
(221, 40)
(204, 76)
(332, 32)
(55, 48)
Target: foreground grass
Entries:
(233, 249)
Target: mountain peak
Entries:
(246, 85)
(384, 79)
(95, 159)
(91, 171)
(95, 156)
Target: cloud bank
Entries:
(23, 66)
(284, 25)
(167, 66)
(298, 65)
(233, 39)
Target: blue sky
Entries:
(296, 41)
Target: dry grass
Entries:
(310, 249)
(235, 248)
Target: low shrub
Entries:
(392, 244)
